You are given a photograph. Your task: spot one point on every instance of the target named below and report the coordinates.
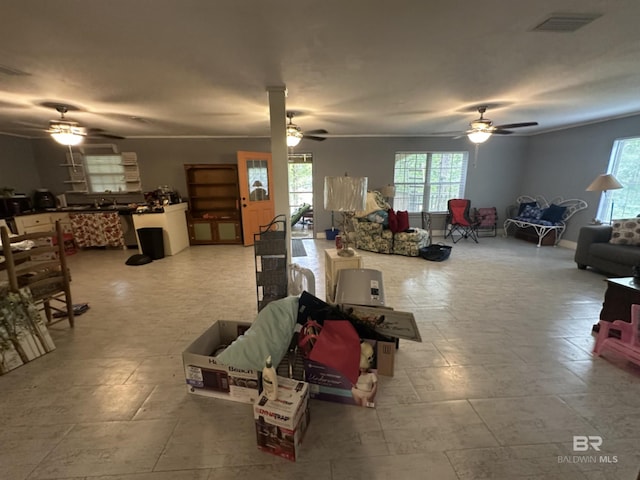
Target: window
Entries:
(105, 173)
(623, 164)
(426, 180)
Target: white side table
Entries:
(332, 264)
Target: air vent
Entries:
(565, 23)
(12, 71)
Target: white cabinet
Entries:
(65, 221)
(173, 223)
(333, 263)
(42, 222)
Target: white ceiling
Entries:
(162, 68)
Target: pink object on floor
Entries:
(628, 345)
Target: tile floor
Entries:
(502, 382)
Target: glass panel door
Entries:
(301, 194)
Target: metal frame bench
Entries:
(572, 206)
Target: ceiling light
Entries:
(294, 135)
(478, 136)
(67, 133)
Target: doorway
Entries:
(300, 168)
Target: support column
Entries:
(278, 119)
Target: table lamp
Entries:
(347, 195)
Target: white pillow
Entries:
(626, 231)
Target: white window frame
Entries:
(105, 173)
(422, 187)
(623, 164)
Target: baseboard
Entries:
(568, 244)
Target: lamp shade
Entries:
(294, 135)
(345, 194)
(388, 191)
(478, 136)
(67, 133)
(604, 182)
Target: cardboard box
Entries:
(206, 376)
(326, 383)
(282, 423)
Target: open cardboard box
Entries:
(386, 325)
(206, 376)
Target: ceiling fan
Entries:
(70, 133)
(294, 133)
(482, 128)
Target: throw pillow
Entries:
(403, 220)
(379, 217)
(524, 205)
(393, 221)
(553, 213)
(626, 231)
(531, 212)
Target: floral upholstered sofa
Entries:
(378, 229)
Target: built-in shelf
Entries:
(214, 203)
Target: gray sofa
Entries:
(594, 250)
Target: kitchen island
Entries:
(172, 220)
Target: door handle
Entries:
(244, 205)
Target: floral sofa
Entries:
(374, 233)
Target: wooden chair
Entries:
(37, 260)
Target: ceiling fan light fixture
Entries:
(67, 134)
(294, 135)
(479, 136)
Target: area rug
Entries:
(297, 248)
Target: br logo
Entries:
(582, 443)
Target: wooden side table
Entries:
(620, 295)
(334, 263)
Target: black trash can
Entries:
(151, 242)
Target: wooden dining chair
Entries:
(38, 261)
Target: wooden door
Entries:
(256, 192)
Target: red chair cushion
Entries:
(458, 209)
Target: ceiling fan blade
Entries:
(313, 137)
(517, 125)
(107, 135)
(321, 131)
(98, 132)
(448, 134)
(501, 131)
